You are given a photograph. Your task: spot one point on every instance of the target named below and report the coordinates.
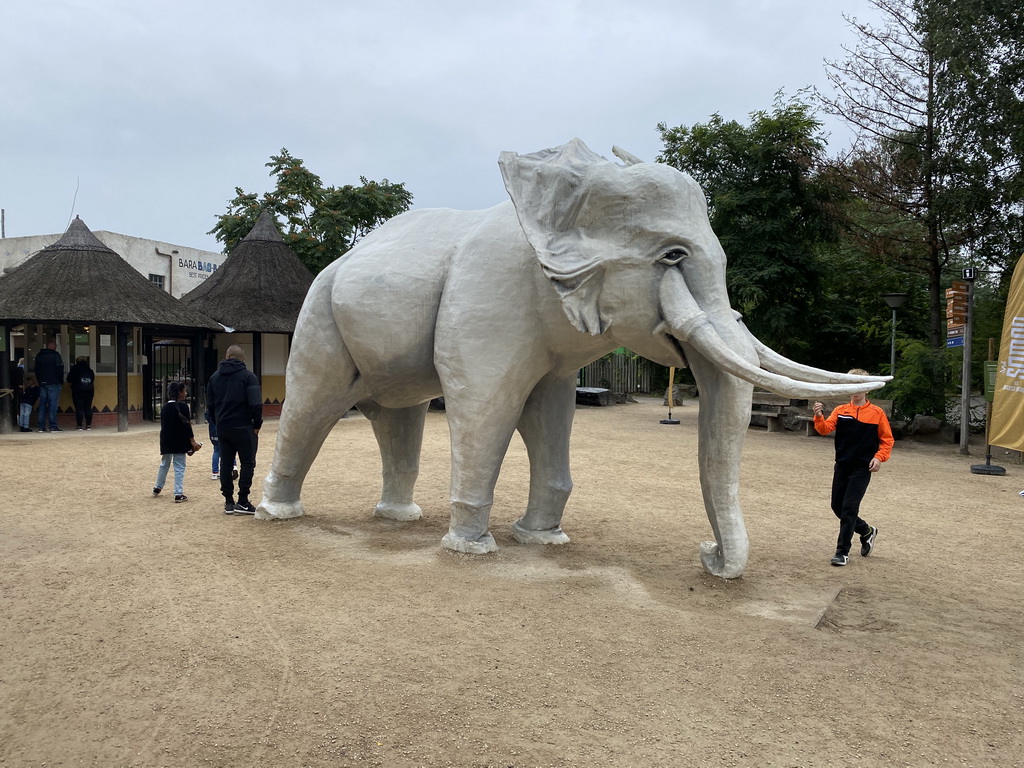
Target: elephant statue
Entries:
(498, 309)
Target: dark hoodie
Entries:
(81, 378)
(234, 397)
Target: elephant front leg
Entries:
(399, 433)
(480, 433)
(545, 426)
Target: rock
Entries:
(924, 425)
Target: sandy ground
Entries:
(139, 632)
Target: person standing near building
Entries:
(27, 398)
(236, 412)
(177, 440)
(863, 441)
(82, 379)
(49, 372)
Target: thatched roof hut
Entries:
(259, 288)
(80, 280)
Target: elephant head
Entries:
(630, 252)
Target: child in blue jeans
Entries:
(176, 440)
(27, 398)
(216, 451)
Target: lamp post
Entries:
(895, 301)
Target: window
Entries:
(78, 343)
(157, 280)
(106, 349)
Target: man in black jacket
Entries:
(236, 409)
(50, 373)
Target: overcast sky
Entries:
(143, 117)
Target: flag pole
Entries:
(671, 396)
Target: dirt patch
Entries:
(139, 632)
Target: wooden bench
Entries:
(771, 407)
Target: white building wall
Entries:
(181, 267)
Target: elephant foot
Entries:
(401, 512)
(279, 510)
(551, 536)
(716, 563)
(481, 546)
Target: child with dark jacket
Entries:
(176, 440)
(27, 398)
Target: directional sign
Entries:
(957, 341)
(954, 330)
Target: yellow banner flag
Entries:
(1007, 428)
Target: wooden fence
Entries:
(619, 372)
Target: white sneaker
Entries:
(215, 476)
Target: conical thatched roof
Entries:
(260, 286)
(80, 280)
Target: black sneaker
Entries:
(156, 491)
(867, 543)
(229, 507)
(245, 508)
(56, 429)
(838, 559)
(180, 497)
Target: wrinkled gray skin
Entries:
(497, 310)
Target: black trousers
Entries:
(849, 483)
(83, 407)
(241, 442)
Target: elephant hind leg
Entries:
(399, 433)
(322, 384)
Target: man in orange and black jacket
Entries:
(863, 441)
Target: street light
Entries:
(895, 301)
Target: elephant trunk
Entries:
(722, 423)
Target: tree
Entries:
(938, 179)
(771, 208)
(981, 91)
(320, 223)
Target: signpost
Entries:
(958, 334)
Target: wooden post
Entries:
(8, 403)
(257, 356)
(122, 377)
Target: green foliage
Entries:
(320, 223)
(771, 208)
(979, 45)
(913, 390)
(934, 93)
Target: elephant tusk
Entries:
(691, 325)
(776, 363)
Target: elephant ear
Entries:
(548, 191)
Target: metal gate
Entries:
(169, 360)
(620, 371)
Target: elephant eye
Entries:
(673, 257)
